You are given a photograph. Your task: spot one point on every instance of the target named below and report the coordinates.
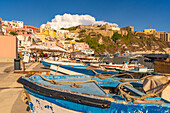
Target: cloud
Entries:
(68, 20)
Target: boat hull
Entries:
(44, 104)
(87, 71)
(47, 64)
(43, 99)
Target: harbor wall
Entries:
(8, 48)
(162, 66)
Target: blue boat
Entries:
(83, 93)
(68, 64)
(79, 71)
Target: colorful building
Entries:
(32, 28)
(8, 48)
(42, 37)
(20, 31)
(48, 31)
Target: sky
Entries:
(138, 13)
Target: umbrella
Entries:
(38, 47)
(57, 48)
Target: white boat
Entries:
(131, 65)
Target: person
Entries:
(36, 58)
(39, 59)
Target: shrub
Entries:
(116, 36)
(13, 33)
(101, 28)
(82, 31)
(69, 39)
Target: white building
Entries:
(62, 31)
(115, 28)
(25, 41)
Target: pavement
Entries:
(11, 92)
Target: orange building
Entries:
(35, 29)
(8, 48)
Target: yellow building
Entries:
(48, 31)
(149, 31)
(42, 36)
(128, 28)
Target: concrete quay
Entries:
(11, 92)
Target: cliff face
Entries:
(101, 40)
(130, 43)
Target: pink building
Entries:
(20, 31)
(8, 48)
(50, 44)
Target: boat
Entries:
(83, 71)
(47, 63)
(137, 69)
(81, 93)
(88, 60)
(131, 64)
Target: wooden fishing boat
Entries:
(82, 93)
(68, 64)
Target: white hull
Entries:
(43, 106)
(64, 63)
(62, 70)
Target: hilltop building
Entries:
(99, 27)
(150, 31)
(128, 28)
(163, 35)
(105, 30)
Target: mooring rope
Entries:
(127, 96)
(73, 82)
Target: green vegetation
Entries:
(101, 28)
(13, 33)
(81, 40)
(72, 28)
(93, 43)
(93, 34)
(99, 35)
(69, 39)
(116, 36)
(105, 39)
(127, 38)
(82, 31)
